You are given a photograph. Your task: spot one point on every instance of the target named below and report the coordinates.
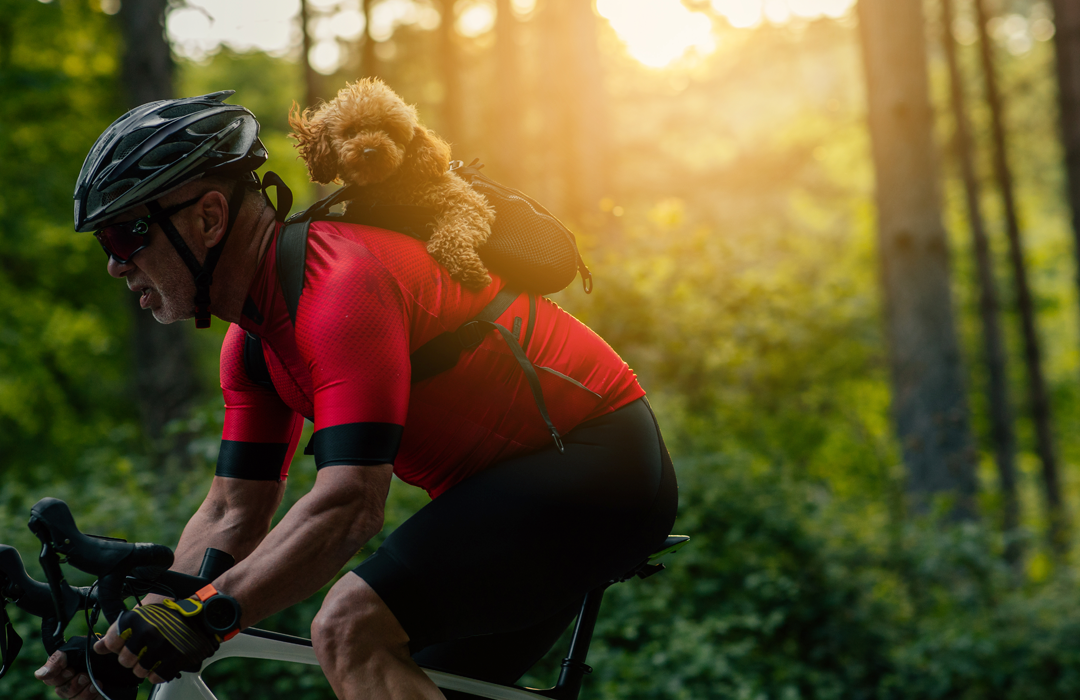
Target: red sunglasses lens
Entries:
(120, 240)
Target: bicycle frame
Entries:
(111, 560)
(260, 644)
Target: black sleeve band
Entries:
(254, 461)
(357, 443)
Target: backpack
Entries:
(529, 247)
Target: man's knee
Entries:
(353, 614)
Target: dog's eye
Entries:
(350, 132)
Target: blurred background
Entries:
(835, 240)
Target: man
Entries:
(483, 579)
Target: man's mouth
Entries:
(144, 296)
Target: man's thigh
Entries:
(517, 546)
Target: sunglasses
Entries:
(121, 241)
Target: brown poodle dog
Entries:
(368, 136)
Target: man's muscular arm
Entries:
(234, 517)
(314, 540)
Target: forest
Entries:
(837, 241)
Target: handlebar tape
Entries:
(108, 559)
(99, 556)
(30, 595)
(51, 518)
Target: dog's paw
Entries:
(471, 271)
(475, 279)
(461, 261)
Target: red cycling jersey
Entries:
(370, 298)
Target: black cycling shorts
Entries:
(486, 577)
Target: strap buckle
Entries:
(470, 334)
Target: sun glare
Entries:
(660, 32)
(656, 32)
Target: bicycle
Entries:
(135, 569)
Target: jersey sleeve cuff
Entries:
(254, 461)
(367, 444)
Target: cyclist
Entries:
(484, 578)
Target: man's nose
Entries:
(118, 269)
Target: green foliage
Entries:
(63, 368)
(754, 606)
(735, 271)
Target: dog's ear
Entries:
(310, 129)
(428, 156)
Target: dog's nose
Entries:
(368, 152)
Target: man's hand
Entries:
(66, 671)
(157, 642)
(68, 683)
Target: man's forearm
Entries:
(311, 543)
(221, 529)
(234, 517)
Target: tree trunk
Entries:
(1067, 45)
(551, 92)
(575, 116)
(165, 379)
(312, 81)
(929, 403)
(369, 63)
(508, 112)
(1037, 394)
(588, 115)
(1002, 435)
(450, 73)
(7, 41)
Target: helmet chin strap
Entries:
(203, 273)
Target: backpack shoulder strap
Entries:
(255, 362)
(443, 351)
(291, 256)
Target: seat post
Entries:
(574, 667)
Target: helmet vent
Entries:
(114, 191)
(97, 200)
(165, 154)
(238, 141)
(181, 110)
(212, 124)
(130, 142)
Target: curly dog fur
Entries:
(368, 136)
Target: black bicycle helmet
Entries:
(161, 145)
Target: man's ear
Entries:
(212, 215)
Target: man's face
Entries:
(157, 273)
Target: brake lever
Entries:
(54, 575)
(10, 642)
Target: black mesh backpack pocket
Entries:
(528, 245)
